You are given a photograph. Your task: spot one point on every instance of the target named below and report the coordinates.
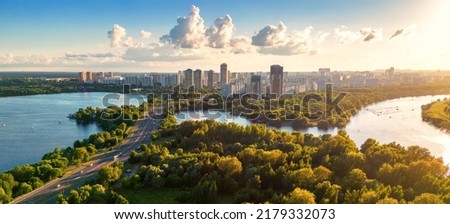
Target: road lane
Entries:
(75, 179)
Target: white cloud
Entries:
(242, 45)
(7, 59)
(116, 35)
(220, 33)
(30, 59)
(162, 52)
(275, 40)
(404, 32)
(145, 34)
(98, 55)
(346, 36)
(189, 32)
(370, 34)
(129, 42)
(366, 34)
(270, 36)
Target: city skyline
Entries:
(140, 36)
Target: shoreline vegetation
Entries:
(437, 114)
(26, 178)
(296, 112)
(27, 87)
(202, 159)
(211, 162)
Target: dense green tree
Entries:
(300, 196)
(110, 174)
(229, 165)
(427, 198)
(255, 164)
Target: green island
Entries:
(438, 114)
(212, 162)
(300, 112)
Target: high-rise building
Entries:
(390, 73)
(211, 79)
(255, 84)
(276, 80)
(90, 76)
(82, 76)
(188, 78)
(224, 74)
(198, 79)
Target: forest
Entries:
(312, 109)
(212, 162)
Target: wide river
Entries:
(31, 126)
(398, 120)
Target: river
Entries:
(398, 120)
(31, 126)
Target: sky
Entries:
(248, 35)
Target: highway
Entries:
(48, 193)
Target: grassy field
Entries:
(437, 110)
(436, 114)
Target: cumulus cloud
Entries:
(366, 34)
(129, 42)
(276, 40)
(242, 45)
(145, 34)
(270, 36)
(116, 35)
(189, 39)
(403, 32)
(220, 33)
(189, 32)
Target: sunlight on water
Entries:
(397, 120)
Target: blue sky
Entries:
(348, 35)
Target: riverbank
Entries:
(26, 87)
(314, 109)
(438, 114)
(397, 120)
(26, 178)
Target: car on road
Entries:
(58, 185)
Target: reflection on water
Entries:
(396, 120)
